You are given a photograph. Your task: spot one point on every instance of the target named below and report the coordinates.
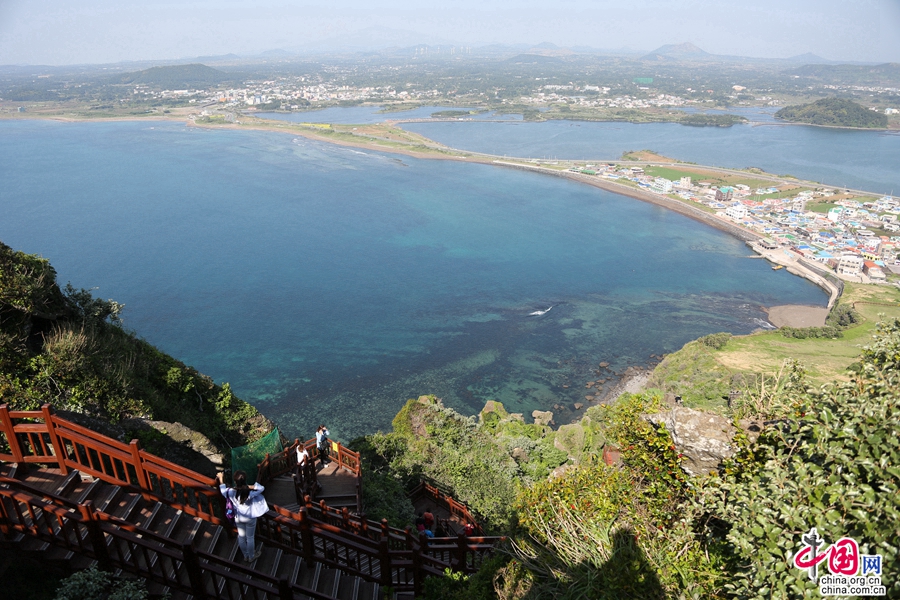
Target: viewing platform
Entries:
(337, 483)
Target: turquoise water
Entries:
(329, 284)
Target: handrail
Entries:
(295, 532)
(116, 543)
(451, 504)
(352, 543)
(48, 438)
(283, 462)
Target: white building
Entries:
(850, 264)
(736, 211)
(661, 186)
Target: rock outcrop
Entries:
(705, 439)
(542, 417)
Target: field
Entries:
(719, 179)
(710, 373)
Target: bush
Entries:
(92, 584)
(832, 466)
(716, 341)
(437, 442)
(457, 586)
(614, 532)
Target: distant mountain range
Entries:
(385, 42)
(688, 52)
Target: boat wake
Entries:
(539, 313)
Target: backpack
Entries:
(230, 511)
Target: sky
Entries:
(61, 32)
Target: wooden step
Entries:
(174, 524)
(88, 490)
(9, 470)
(309, 576)
(43, 479)
(329, 580)
(348, 587)
(368, 590)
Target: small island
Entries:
(707, 120)
(834, 112)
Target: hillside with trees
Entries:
(645, 528)
(835, 112)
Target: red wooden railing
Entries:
(371, 550)
(43, 437)
(118, 544)
(448, 502)
(285, 461)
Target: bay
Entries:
(860, 160)
(330, 284)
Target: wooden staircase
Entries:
(76, 496)
(212, 544)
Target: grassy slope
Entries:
(703, 375)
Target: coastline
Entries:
(435, 151)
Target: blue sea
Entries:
(329, 284)
(859, 160)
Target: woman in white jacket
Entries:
(249, 503)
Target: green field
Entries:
(825, 360)
(723, 179)
(704, 375)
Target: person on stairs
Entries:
(322, 443)
(302, 458)
(249, 504)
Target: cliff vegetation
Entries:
(808, 456)
(65, 347)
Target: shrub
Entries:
(92, 584)
(716, 341)
(832, 466)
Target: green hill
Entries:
(835, 112)
(175, 77)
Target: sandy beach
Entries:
(793, 315)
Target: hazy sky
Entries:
(58, 32)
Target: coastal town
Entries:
(298, 93)
(854, 236)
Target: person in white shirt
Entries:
(249, 503)
(302, 457)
